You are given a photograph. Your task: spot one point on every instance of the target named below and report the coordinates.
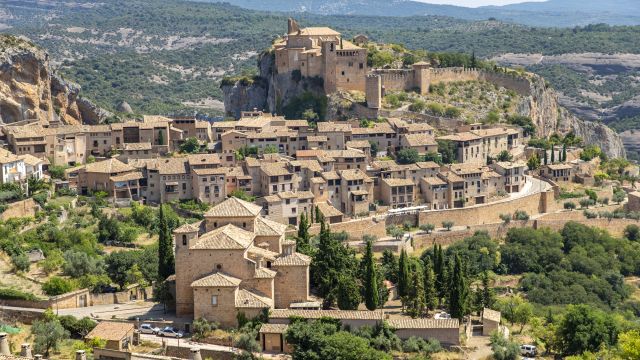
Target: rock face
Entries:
(29, 90)
(268, 91)
(543, 108)
(124, 107)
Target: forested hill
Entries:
(551, 13)
(169, 56)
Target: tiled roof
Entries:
(328, 126)
(224, 124)
(32, 160)
(316, 138)
(450, 176)
(427, 165)
(7, 156)
(433, 181)
(169, 166)
(274, 169)
(464, 136)
(295, 259)
(247, 299)
(424, 323)
(234, 207)
(211, 171)
(328, 211)
(511, 165)
(188, 228)
(204, 159)
(336, 314)
(312, 165)
(420, 139)
(111, 330)
(318, 31)
(135, 175)
(490, 132)
(108, 166)
(344, 153)
(490, 175)
(273, 328)
(559, 166)
(398, 182)
(264, 273)
(266, 227)
(467, 169)
(261, 252)
(217, 280)
(354, 174)
(330, 175)
(380, 128)
(137, 146)
(491, 314)
(358, 144)
(226, 237)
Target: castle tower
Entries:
(374, 91)
(422, 76)
(329, 49)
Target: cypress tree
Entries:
(403, 274)
(441, 275)
(430, 295)
(564, 153)
(371, 295)
(166, 261)
(553, 154)
(303, 237)
(488, 296)
(545, 157)
(458, 291)
(414, 298)
(160, 137)
(319, 216)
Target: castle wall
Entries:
(374, 92)
(351, 69)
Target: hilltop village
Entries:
(243, 209)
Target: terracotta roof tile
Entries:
(234, 207)
(266, 227)
(295, 259)
(248, 299)
(217, 280)
(111, 330)
(424, 323)
(273, 328)
(226, 237)
(336, 314)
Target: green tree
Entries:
(570, 205)
(414, 300)
(545, 157)
(303, 239)
(447, 225)
(430, 295)
(488, 294)
(57, 286)
(319, 216)
(166, 261)
(408, 156)
(458, 290)
(533, 163)
(331, 262)
(21, 261)
(370, 281)
(190, 146)
(584, 328)
(375, 149)
(390, 266)
(619, 195)
(632, 232)
(629, 345)
(201, 328)
(448, 150)
(504, 155)
(48, 334)
(553, 154)
(395, 231)
(440, 272)
(504, 349)
(270, 149)
(135, 276)
(564, 153)
(403, 274)
(160, 138)
(428, 228)
(348, 294)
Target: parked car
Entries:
(442, 315)
(528, 350)
(148, 329)
(170, 332)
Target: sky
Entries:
(476, 3)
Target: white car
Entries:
(442, 315)
(170, 332)
(528, 350)
(148, 329)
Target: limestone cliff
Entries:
(268, 90)
(29, 90)
(543, 108)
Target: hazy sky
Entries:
(476, 3)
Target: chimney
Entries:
(259, 262)
(195, 354)
(25, 351)
(81, 355)
(4, 344)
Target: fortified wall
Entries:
(421, 77)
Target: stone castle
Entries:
(342, 65)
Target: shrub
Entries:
(57, 286)
(521, 215)
(590, 214)
(569, 205)
(21, 262)
(632, 232)
(428, 228)
(447, 225)
(14, 294)
(506, 218)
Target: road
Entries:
(142, 309)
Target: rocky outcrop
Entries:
(268, 91)
(30, 91)
(124, 107)
(543, 108)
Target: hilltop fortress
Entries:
(319, 61)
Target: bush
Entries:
(447, 225)
(13, 294)
(202, 327)
(569, 205)
(521, 215)
(21, 262)
(506, 218)
(632, 232)
(57, 286)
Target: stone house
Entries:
(557, 172)
(446, 331)
(119, 180)
(286, 207)
(337, 134)
(118, 335)
(12, 168)
(422, 143)
(512, 174)
(397, 193)
(236, 261)
(490, 321)
(275, 177)
(469, 149)
(435, 192)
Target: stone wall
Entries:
(20, 209)
(184, 352)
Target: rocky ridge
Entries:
(31, 91)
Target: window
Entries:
(214, 300)
(244, 224)
(361, 65)
(184, 239)
(218, 266)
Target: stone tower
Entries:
(422, 76)
(374, 91)
(329, 49)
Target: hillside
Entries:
(557, 13)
